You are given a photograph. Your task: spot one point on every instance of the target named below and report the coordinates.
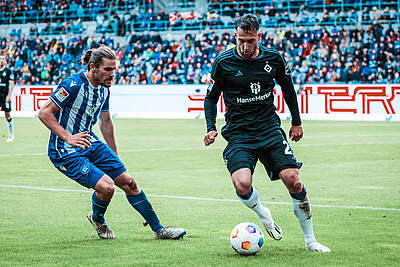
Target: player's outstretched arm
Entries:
(107, 130)
(46, 116)
(209, 138)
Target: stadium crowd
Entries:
(358, 54)
(340, 52)
(121, 16)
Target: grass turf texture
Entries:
(346, 164)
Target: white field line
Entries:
(200, 147)
(193, 198)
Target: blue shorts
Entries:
(90, 164)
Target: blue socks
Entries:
(143, 206)
(99, 208)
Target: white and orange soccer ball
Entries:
(247, 238)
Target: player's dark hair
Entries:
(248, 23)
(96, 56)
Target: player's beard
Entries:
(107, 82)
(248, 53)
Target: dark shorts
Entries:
(274, 153)
(6, 107)
(88, 166)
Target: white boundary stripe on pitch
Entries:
(201, 148)
(193, 198)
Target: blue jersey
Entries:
(80, 106)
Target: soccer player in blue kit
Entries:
(246, 74)
(74, 149)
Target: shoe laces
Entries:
(167, 230)
(103, 228)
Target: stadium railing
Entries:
(225, 10)
(224, 7)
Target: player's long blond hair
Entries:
(96, 56)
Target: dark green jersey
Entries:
(6, 75)
(247, 87)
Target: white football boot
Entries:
(10, 138)
(273, 230)
(315, 246)
(103, 230)
(167, 232)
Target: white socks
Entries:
(11, 128)
(254, 204)
(302, 210)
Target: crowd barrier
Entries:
(316, 101)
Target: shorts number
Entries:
(287, 149)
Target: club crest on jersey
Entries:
(267, 67)
(84, 169)
(62, 94)
(255, 87)
(91, 110)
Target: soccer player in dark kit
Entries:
(6, 88)
(246, 74)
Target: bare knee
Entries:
(130, 187)
(109, 190)
(291, 179)
(242, 181)
(127, 183)
(105, 188)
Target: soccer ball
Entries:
(247, 238)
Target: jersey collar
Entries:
(86, 80)
(260, 55)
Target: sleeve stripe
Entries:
(55, 102)
(221, 57)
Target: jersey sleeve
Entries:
(11, 76)
(284, 79)
(64, 93)
(106, 106)
(214, 90)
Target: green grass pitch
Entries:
(351, 171)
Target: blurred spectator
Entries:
(318, 54)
